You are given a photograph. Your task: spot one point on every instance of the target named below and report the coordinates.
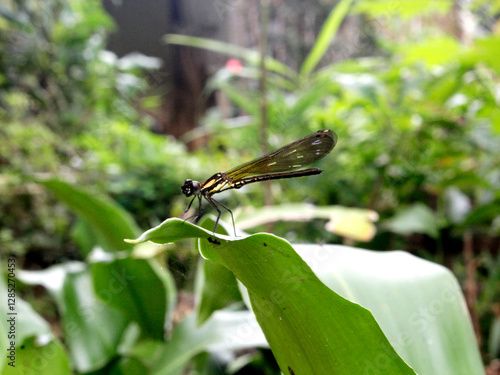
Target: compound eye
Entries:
(190, 188)
(187, 188)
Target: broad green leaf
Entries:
(85, 236)
(414, 301)
(172, 230)
(37, 351)
(28, 322)
(110, 222)
(418, 304)
(325, 37)
(310, 328)
(36, 357)
(417, 218)
(92, 341)
(225, 330)
(140, 289)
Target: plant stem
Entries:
(471, 288)
(264, 20)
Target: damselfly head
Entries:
(190, 188)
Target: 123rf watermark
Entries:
(11, 312)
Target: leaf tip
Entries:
(134, 242)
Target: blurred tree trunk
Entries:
(180, 81)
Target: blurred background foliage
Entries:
(418, 122)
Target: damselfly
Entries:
(275, 165)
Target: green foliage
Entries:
(418, 134)
(299, 315)
(290, 302)
(413, 128)
(33, 142)
(140, 170)
(51, 49)
(414, 125)
(37, 351)
(85, 301)
(86, 312)
(110, 223)
(407, 131)
(61, 94)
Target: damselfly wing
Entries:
(278, 164)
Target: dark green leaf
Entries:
(111, 222)
(140, 289)
(216, 288)
(36, 349)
